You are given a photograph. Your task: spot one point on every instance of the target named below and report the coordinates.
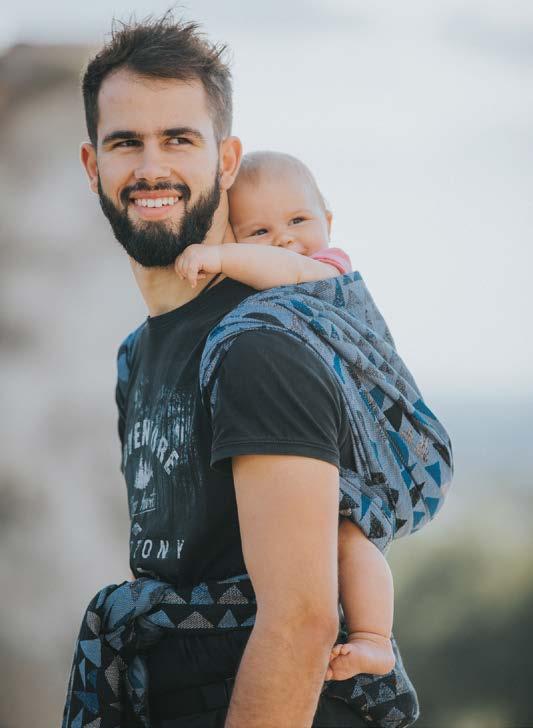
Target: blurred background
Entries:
(416, 119)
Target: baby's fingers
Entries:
(179, 267)
(192, 273)
(186, 268)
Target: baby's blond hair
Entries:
(256, 164)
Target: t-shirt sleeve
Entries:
(335, 257)
(120, 398)
(120, 402)
(124, 363)
(275, 396)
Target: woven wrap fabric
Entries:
(402, 452)
(108, 683)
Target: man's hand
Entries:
(198, 260)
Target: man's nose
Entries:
(152, 165)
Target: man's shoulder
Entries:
(267, 354)
(269, 342)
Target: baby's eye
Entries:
(296, 220)
(261, 231)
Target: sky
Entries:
(417, 121)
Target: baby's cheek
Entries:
(314, 246)
(315, 243)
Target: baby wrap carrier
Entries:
(404, 467)
(402, 453)
(108, 684)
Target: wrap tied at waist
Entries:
(108, 683)
(402, 452)
(109, 679)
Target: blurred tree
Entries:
(470, 659)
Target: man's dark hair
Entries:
(162, 48)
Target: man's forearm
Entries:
(280, 677)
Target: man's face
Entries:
(157, 161)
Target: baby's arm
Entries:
(256, 265)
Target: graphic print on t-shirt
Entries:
(158, 459)
(184, 521)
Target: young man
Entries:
(249, 489)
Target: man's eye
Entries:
(296, 220)
(127, 143)
(178, 141)
(261, 231)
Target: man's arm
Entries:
(288, 517)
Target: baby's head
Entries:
(276, 201)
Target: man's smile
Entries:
(154, 205)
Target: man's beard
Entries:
(155, 244)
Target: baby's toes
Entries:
(342, 668)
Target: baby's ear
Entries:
(329, 218)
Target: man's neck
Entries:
(161, 288)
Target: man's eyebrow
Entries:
(122, 134)
(183, 131)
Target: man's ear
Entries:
(88, 160)
(329, 218)
(230, 161)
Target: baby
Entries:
(283, 226)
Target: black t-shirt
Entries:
(274, 397)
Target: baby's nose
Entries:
(285, 239)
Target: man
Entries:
(254, 489)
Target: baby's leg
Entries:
(367, 598)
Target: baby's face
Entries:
(284, 212)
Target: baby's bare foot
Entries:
(364, 652)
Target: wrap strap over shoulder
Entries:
(402, 452)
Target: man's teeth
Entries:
(157, 202)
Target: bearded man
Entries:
(251, 488)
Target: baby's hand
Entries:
(197, 260)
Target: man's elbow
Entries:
(324, 627)
(319, 622)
